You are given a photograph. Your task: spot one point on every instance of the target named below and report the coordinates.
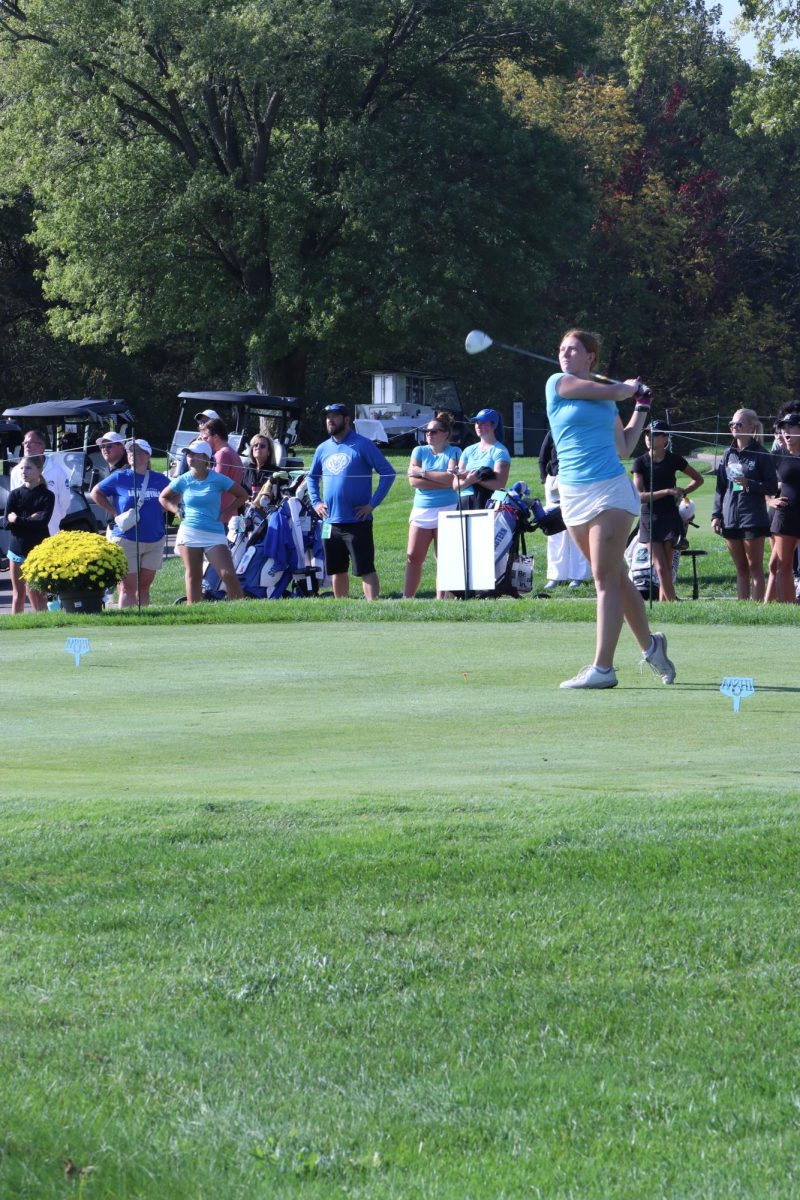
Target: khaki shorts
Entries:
(151, 554)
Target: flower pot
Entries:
(82, 602)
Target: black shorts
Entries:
(745, 535)
(786, 521)
(350, 542)
(667, 527)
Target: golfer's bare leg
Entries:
(602, 540)
(341, 585)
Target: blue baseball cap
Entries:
(486, 414)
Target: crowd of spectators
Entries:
(757, 496)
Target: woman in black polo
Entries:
(745, 477)
(785, 509)
(654, 475)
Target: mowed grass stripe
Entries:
(329, 713)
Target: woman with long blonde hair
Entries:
(745, 477)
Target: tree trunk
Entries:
(282, 376)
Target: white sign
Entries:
(465, 551)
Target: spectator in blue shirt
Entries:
(132, 499)
(344, 464)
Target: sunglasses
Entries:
(259, 446)
(435, 431)
(736, 424)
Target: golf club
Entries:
(477, 341)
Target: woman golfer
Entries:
(201, 530)
(599, 501)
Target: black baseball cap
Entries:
(658, 427)
(338, 408)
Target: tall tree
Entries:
(691, 266)
(269, 179)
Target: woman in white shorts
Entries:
(201, 530)
(598, 499)
(430, 473)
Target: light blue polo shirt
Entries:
(583, 431)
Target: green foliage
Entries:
(769, 101)
(275, 193)
(692, 241)
(277, 179)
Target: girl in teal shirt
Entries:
(431, 474)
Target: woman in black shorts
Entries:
(745, 477)
(785, 524)
(666, 528)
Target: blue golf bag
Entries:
(287, 560)
(277, 551)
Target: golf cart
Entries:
(243, 414)
(402, 404)
(71, 427)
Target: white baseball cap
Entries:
(141, 443)
(200, 448)
(208, 414)
(111, 439)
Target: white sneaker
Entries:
(657, 659)
(590, 677)
(574, 583)
(551, 585)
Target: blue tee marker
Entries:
(77, 646)
(738, 687)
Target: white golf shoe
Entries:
(590, 677)
(657, 659)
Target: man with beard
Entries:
(345, 464)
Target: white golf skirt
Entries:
(200, 539)
(428, 518)
(581, 502)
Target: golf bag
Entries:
(513, 568)
(643, 572)
(288, 559)
(277, 551)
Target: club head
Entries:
(477, 341)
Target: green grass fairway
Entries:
(320, 712)
(374, 910)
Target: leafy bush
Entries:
(74, 562)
